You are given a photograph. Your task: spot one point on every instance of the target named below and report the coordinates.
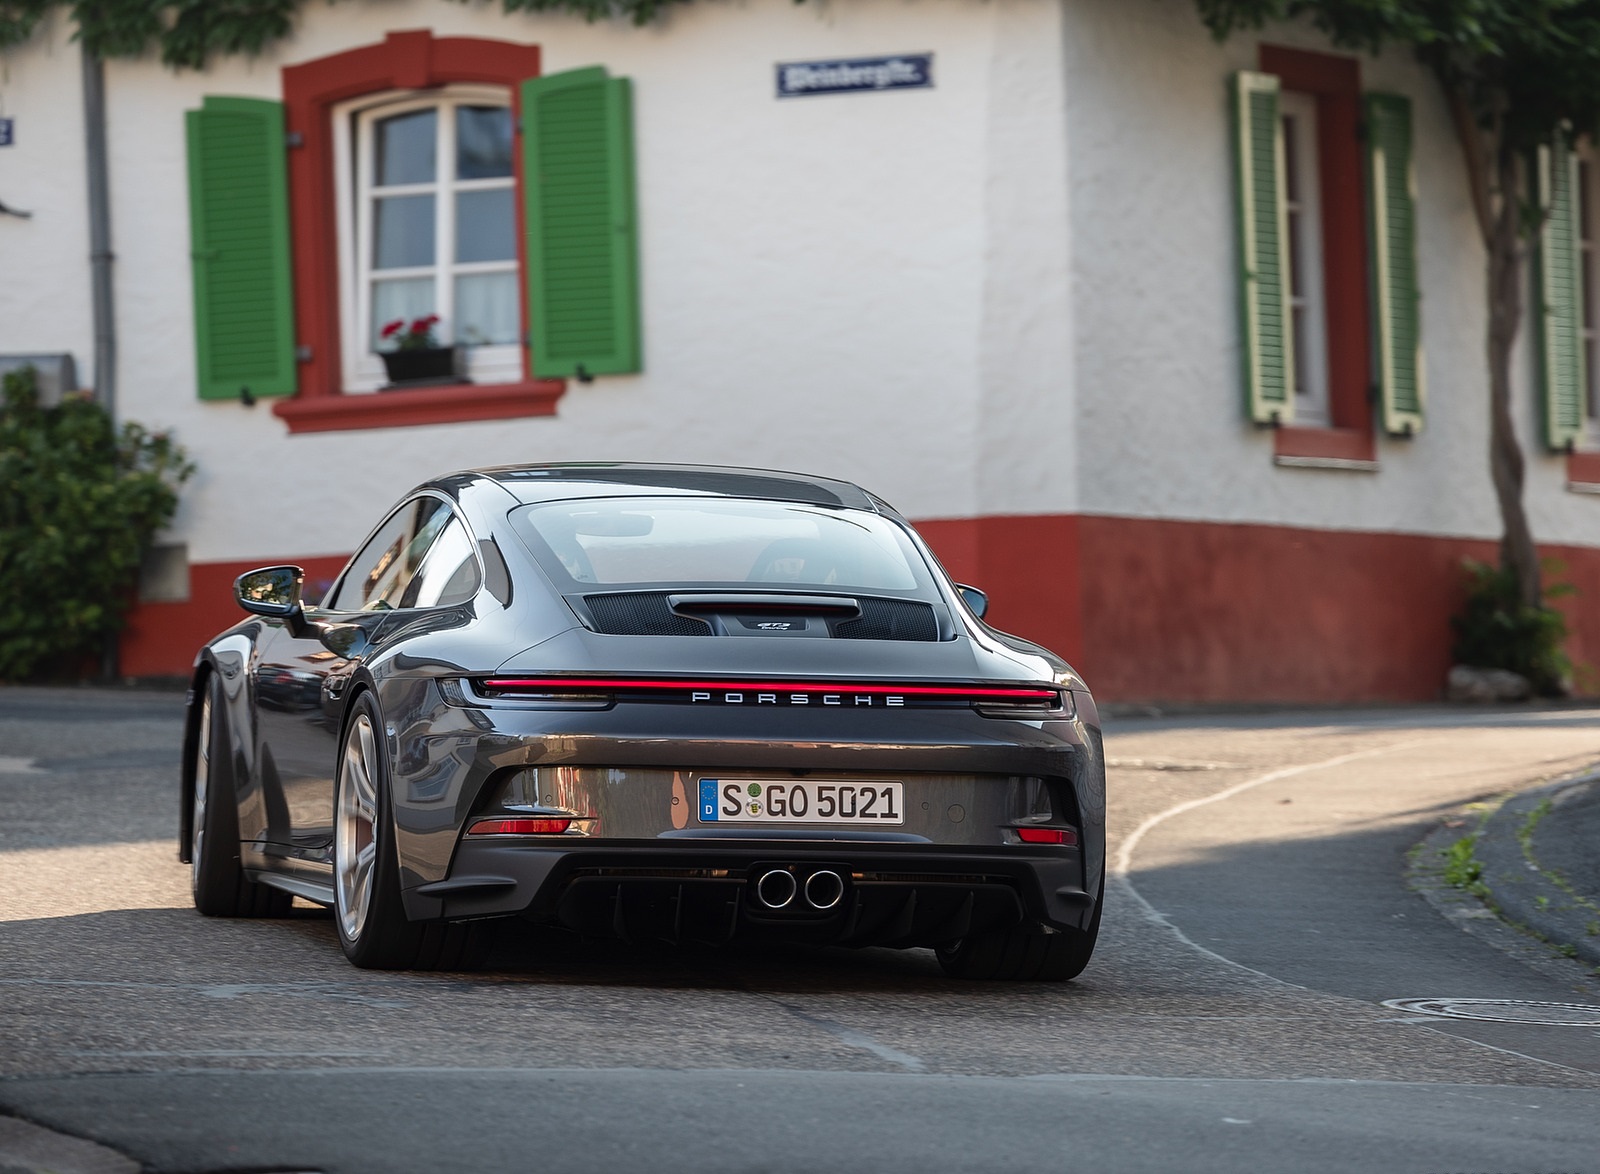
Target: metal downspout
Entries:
(100, 257)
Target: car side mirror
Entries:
(976, 600)
(275, 592)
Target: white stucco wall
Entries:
(1010, 294)
(1161, 427)
(44, 261)
(1027, 444)
(836, 284)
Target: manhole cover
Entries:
(1502, 1011)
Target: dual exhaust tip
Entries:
(778, 888)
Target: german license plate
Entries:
(801, 801)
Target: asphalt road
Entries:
(1233, 1018)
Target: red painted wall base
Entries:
(161, 639)
(1150, 611)
(1028, 566)
(1212, 613)
(1155, 612)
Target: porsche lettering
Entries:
(744, 697)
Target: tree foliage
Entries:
(80, 502)
(1530, 64)
(189, 33)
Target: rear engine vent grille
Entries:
(649, 613)
(645, 613)
(890, 619)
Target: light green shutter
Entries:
(1562, 371)
(583, 287)
(1392, 245)
(239, 240)
(1263, 250)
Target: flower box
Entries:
(425, 365)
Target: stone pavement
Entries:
(1559, 824)
(1540, 854)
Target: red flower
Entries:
(423, 325)
(390, 329)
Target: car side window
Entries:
(380, 573)
(449, 573)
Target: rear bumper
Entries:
(911, 894)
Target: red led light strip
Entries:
(568, 684)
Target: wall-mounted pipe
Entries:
(100, 255)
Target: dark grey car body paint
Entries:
(287, 698)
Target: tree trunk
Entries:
(1517, 551)
(1492, 182)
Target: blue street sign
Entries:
(907, 71)
(7, 131)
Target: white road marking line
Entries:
(1124, 865)
(1168, 764)
(858, 1039)
(10, 765)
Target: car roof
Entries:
(553, 482)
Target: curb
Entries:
(1523, 892)
(27, 1148)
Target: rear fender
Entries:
(191, 748)
(227, 659)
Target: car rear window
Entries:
(720, 542)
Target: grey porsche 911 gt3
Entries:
(651, 702)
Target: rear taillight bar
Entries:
(588, 686)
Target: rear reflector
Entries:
(519, 827)
(1047, 835)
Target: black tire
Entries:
(372, 925)
(1022, 954)
(216, 877)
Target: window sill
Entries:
(1325, 448)
(1583, 472)
(455, 404)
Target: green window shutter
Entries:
(1392, 245)
(1263, 250)
(1562, 371)
(583, 284)
(239, 240)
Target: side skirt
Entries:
(299, 886)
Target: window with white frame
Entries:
(428, 227)
(1302, 183)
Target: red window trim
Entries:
(1583, 468)
(1335, 82)
(412, 59)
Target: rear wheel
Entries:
(368, 911)
(1022, 955)
(216, 877)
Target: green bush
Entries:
(1497, 631)
(80, 502)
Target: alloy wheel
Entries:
(355, 841)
